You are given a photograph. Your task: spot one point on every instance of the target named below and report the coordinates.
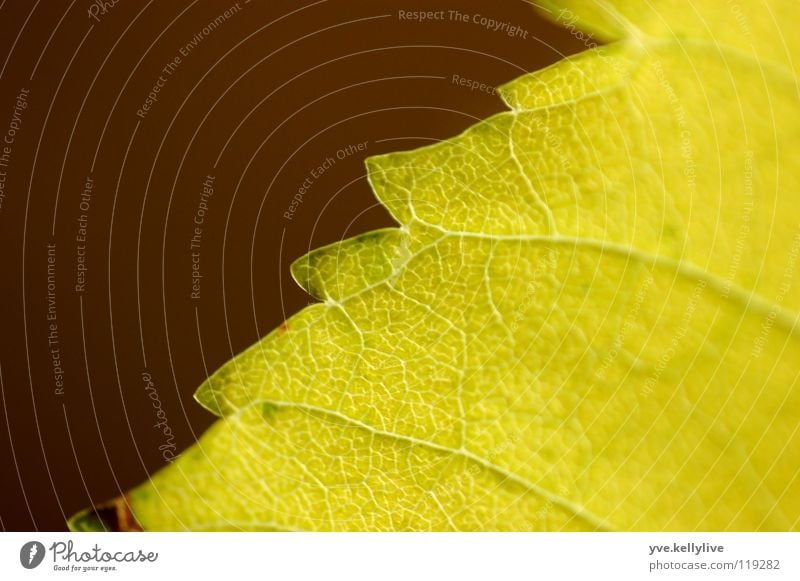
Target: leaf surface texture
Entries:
(586, 319)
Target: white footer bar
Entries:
(401, 556)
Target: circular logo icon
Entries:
(31, 554)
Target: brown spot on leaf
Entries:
(112, 516)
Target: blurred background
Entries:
(163, 164)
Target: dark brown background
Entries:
(303, 80)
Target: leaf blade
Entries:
(568, 305)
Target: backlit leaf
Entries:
(586, 319)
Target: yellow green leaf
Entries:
(586, 319)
